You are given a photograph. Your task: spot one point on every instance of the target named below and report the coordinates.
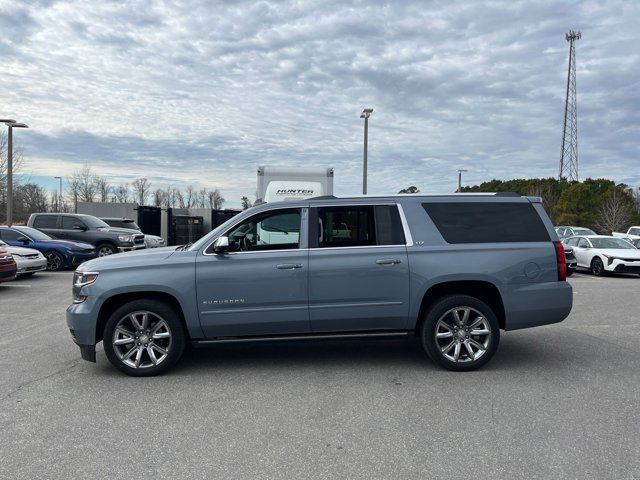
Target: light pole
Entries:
(11, 124)
(460, 171)
(59, 192)
(366, 113)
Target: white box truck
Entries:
(276, 184)
(293, 183)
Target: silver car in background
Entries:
(28, 260)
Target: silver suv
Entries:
(453, 270)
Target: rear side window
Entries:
(69, 223)
(346, 226)
(487, 222)
(10, 235)
(45, 221)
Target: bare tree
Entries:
(29, 198)
(189, 197)
(178, 199)
(159, 197)
(121, 193)
(141, 187)
(246, 203)
(84, 180)
(103, 188)
(202, 198)
(216, 200)
(614, 213)
(73, 190)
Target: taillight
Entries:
(562, 261)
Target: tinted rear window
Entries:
(45, 221)
(487, 222)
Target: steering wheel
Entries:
(245, 244)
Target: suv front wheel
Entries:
(460, 333)
(144, 338)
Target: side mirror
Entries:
(221, 245)
(23, 240)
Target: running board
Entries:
(311, 336)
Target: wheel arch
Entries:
(480, 289)
(114, 302)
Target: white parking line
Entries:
(22, 285)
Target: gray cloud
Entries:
(205, 91)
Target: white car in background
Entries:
(28, 260)
(602, 254)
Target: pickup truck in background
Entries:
(89, 229)
(632, 234)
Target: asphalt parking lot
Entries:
(561, 401)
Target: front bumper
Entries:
(130, 248)
(82, 321)
(7, 274)
(623, 266)
(29, 265)
(74, 258)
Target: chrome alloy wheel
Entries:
(462, 334)
(104, 251)
(142, 339)
(54, 261)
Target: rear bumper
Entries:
(538, 304)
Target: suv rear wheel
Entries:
(144, 338)
(460, 333)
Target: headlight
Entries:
(125, 238)
(82, 279)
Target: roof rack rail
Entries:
(324, 197)
(507, 194)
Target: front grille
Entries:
(138, 239)
(627, 269)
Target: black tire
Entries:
(105, 249)
(55, 261)
(597, 267)
(174, 350)
(441, 310)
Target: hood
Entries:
(146, 257)
(619, 252)
(21, 250)
(66, 243)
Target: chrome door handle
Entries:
(288, 266)
(388, 261)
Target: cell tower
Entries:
(569, 150)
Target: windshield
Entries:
(93, 222)
(34, 234)
(616, 243)
(583, 231)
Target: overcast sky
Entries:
(203, 92)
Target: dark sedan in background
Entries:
(60, 253)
